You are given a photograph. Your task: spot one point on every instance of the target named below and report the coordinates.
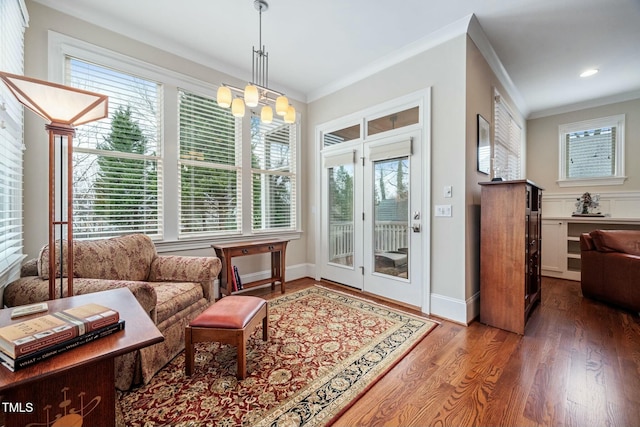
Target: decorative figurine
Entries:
(587, 204)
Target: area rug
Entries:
(325, 349)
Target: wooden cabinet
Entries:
(510, 253)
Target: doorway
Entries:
(372, 189)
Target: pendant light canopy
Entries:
(257, 91)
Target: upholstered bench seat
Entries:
(231, 320)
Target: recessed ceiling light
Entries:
(589, 73)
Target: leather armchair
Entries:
(610, 267)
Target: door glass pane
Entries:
(391, 216)
(340, 207)
(342, 135)
(393, 121)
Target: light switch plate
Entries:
(443, 210)
(447, 191)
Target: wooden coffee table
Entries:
(78, 386)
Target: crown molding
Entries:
(430, 41)
(592, 103)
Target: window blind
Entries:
(13, 20)
(209, 166)
(273, 177)
(507, 142)
(117, 161)
(591, 153)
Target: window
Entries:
(342, 135)
(209, 167)
(13, 20)
(507, 157)
(168, 161)
(393, 121)
(273, 180)
(117, 162)
(592, 152)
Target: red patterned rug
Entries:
(325, 349)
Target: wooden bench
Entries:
(230, 320)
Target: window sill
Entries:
(206, 242)
(586, 182)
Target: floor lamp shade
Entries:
(63, 108)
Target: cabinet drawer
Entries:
(254, 250)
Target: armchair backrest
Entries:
(625, 241)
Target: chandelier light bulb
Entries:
(237, 107)
(251, 96)
(290, 116)
(266, 114)
(282, 104)
(224, 97)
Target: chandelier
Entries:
(257, 91)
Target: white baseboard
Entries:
(456, 310)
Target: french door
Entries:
(372, 216)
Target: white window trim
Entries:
(619, 177)
(60, 45)
(14, 127)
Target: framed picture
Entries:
(484, 145)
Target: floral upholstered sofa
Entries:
(172, 289)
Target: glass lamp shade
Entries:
(282, 104)
(223, 97)
(237, 107)
(56, 103)
(251, 96)
(266, 114)
(290, 116)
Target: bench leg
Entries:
(265, 325)
(188, 351)
(242, 358)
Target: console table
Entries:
(76, 387)
(227, 251)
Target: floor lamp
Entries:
(63, 107)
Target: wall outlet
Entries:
(443, 210)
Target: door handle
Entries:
(416, 228)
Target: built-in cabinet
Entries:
(561, 237)
(510, 252)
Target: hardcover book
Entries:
(41, 332)
(37, 356)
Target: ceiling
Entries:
(315, 48)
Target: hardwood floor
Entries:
(578, 364)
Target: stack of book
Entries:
(30, 341)
(237, 283)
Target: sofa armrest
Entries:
(586, 242)
(29, 268)
(32, 289)
(612, 277)
(177, 268)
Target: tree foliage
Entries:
(126, 188)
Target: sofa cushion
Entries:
(625, 241)
(173, 297)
